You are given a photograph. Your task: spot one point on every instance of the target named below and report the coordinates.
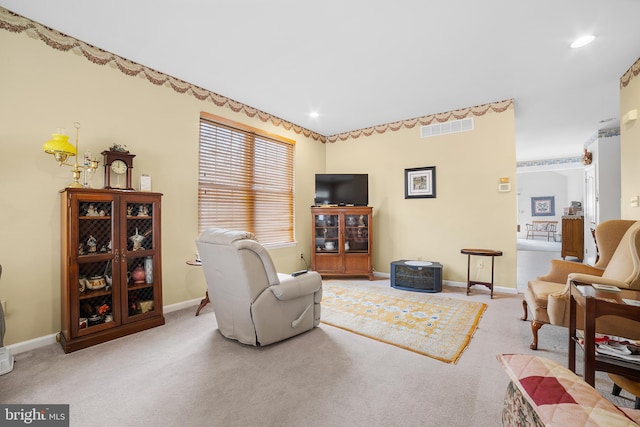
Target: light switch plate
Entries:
(504, 187)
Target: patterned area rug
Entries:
(431, 325)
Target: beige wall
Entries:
(468, 211)
(630, 146)
(43, 89)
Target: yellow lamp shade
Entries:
(59, 143)
(60, 147)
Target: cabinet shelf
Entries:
(135, 286)
(102, 256)
(88, 294)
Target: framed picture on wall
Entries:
(543, 206)
(420, 182)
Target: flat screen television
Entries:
(342, 189)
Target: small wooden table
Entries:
(206, 299)
(479, 252)
(596, 303)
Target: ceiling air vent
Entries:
(454, 126)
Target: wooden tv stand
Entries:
(342, 240)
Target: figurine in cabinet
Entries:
(91, 211)
(92, 243)
(137, 241)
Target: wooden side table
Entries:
(479, 252)
(596, 304)
(205, 300)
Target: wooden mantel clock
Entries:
(118, 163)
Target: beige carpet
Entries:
(428, 324)
(186, 374)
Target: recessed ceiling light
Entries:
(314, 114)
(582, 41)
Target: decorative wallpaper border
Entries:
(18, 24)
(632, 72)
(600, 134)
(479, 110)
(550, 162)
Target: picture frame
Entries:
(543, 206)
(420, 183)
(145, 182)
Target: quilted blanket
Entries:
(557, 396)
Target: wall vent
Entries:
(454, 126)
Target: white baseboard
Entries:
(500, 289)
(181, 305)
(32, 344)
(23, 346)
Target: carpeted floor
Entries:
(539, 245)
(428, 324)
(186, 374)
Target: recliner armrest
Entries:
(295, 287)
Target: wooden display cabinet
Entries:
(343, 238)
(573, 237)
(111, 275)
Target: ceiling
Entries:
(361, 63)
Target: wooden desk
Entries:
(479, 252)
(596, 304)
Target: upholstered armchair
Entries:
(252, 302)
(547, 297)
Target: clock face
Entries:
(118, 167)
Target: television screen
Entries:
(342, 189)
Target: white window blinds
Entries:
(246, 180)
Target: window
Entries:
(246, 180)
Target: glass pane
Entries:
(326, 233)
(139, 226)
(356, 233)
(95, 297)
(140, 285)
(94, 228)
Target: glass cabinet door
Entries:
(92, 265)
(138, 279)
(356, 233)
(327, 235)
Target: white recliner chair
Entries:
(252, 302)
